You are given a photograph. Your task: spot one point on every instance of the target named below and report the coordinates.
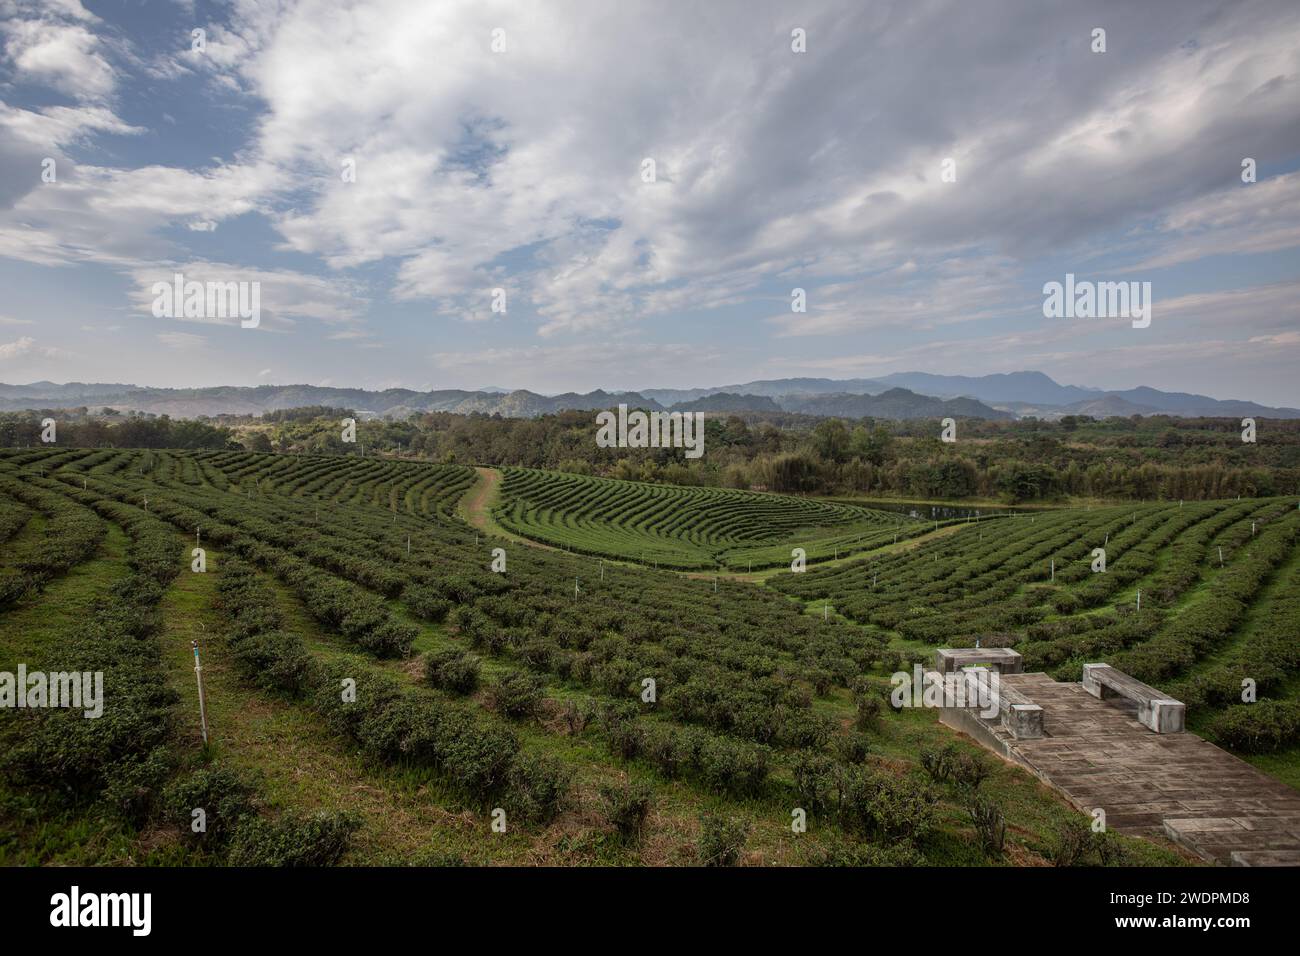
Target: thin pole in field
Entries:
(203, 701)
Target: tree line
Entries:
(1015, 461)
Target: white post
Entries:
(203, 703)
(1053, 570)
(826, 612)
(1139, 600)
(602, 569)
(1220, 557)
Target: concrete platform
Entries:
(1097, 754)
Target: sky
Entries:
(920, 169)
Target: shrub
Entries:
(131, 783)
(869, 709)
(389, 639)
(815, 782)
(320, 840)
(226, 799)
(852, 747)
(475, 756)
(969, 771)
(518, 694)
(893, 808)
(1260, 727)
(537, 787)
(275, 660)
(452, 670)
(939, 763)
(627, 805)
(1069, 842)
(621, 729)
(821, 680)
(990, 826)
(668, 749)
(721, 840)
(427, 602)
(733, 765)
(844, 853)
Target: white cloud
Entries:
(26, 346)
(60, 53)
(12, 350)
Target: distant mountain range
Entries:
(900, 396)
(1021, 393)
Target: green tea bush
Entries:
(319, 840)
(452, 670)
(721, 841)
(226, 799)
(627, 806)
(518, 694)
(537, 787)
(1261, 727)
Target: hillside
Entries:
(902, 396)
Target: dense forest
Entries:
(1027, 460)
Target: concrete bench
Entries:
(1021, 717)
(1155, 711)
(949, 659)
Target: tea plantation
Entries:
(386, 683)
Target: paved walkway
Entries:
(1179, 785)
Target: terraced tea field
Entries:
(688, 528)
(525, 691)
(1219, 583)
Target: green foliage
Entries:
(627, 806)
(990, 826)
(722, 840)
(226, 799)
(1262, 727)
(518, 694)
(452, 670)
(319, 840)
(538, 787)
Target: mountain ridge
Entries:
(900, 395)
